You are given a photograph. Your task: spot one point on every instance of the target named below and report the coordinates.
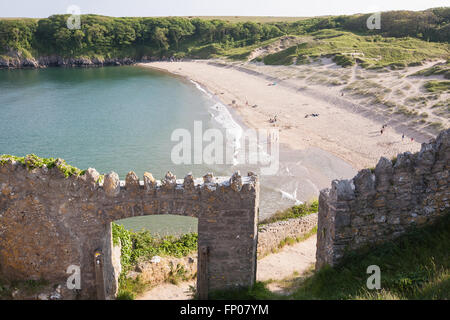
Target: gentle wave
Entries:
(199, 87)
(224, 118)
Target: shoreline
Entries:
(302, 172)
(224, 89)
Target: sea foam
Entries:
(223, 117)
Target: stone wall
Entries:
(270, 235)
(379, 205)
(159, 269)
(49, 222)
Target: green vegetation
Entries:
(32, 161)
(440, 69)
(438, 86)
(143, 245)
(343, 60)
(25, 288)
(293, 212)
(284, 57)
(233, 37)
(414, 266)
(370, 51)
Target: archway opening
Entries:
(150, 250)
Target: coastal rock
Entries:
(14, 60)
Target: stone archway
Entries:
(78, 212)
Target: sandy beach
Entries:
(353, 137)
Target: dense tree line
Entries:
(429, 25)
(162, 36)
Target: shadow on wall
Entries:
(50, 222)
(379, 205)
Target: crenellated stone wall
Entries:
(49, 222)
(378, 206)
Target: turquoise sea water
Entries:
(112, 118)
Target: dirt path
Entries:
(291, 259)
(168, 291)
(295, 258)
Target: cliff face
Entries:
(16, 61)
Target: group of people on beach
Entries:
(403, 137)
(385, 126)
(273, 120)
(312, 115)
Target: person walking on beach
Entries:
(403, 136)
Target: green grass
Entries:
(369, 51)
(143, 245)
(240, 51)
(284, 57)
(26, 288)
(32, 161)
(414, 266)
(205, 52)
(293, 212)
(440, 69)
(437, 86)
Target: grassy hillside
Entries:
(108, 37)
(415, 266)
(348, 48)
(441, 69)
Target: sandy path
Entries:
(168, 291)
(348, 135)
(296, 258)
